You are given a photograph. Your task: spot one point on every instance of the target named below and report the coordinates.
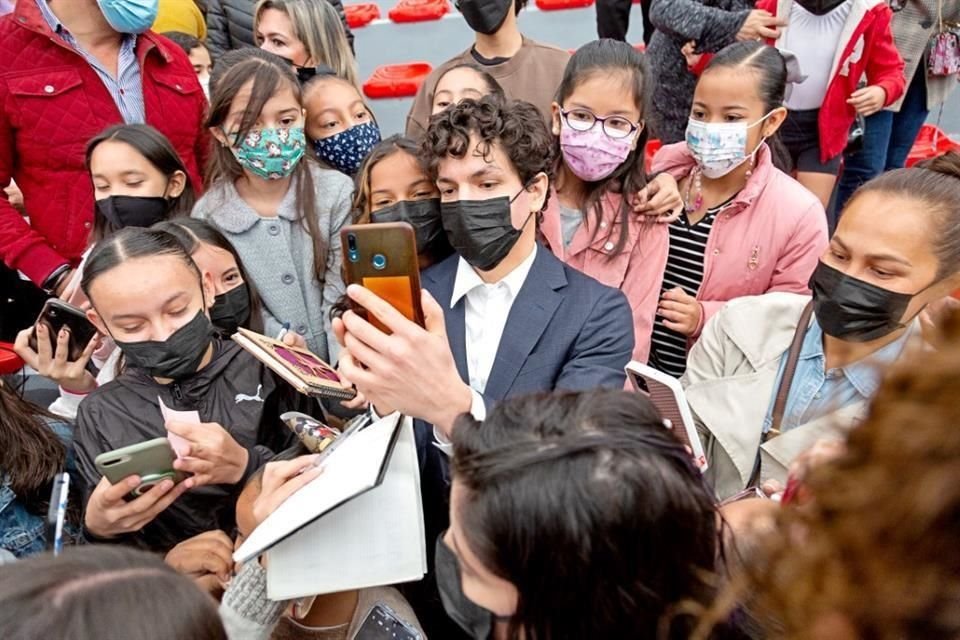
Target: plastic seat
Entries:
(396, 80)
(419, 10)
(360, 15)
(930, 143)
(10, 362)
(559, 5)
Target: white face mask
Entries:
(720, 147)
(205, 85)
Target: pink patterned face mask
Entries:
(592, 155)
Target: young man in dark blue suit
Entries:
(504, 317)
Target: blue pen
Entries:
(57, 512)
(283, 331)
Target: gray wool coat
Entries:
(278, 254)
(912, 29)
(712, 24)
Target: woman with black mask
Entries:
(818, 362)
(138, 180)
(575, 515)
(236, 302)
(150, 297)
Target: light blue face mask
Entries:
(129, 16)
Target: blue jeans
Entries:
(887, 140)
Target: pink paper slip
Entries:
(179, 444)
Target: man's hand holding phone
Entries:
(109, 514)
(214, 456)
(412, 369)
(54, 364)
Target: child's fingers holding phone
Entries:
(108, 514)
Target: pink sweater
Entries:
(637, 270)
(769, 239)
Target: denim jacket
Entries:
(23, 533)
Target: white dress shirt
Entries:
(485, 314)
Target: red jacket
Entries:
(51, 103)
(866, 47)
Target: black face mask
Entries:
(484, 16)
(854, 310)
(481, 231)
(133, 211)
(306, 74)
(469, 616)
(231, 310)
(177, 356)
(820, 7)
(424, 217)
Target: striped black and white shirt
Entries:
(688, 245)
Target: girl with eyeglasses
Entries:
(747, 227)
(590, 222)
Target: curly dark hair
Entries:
(515, 125)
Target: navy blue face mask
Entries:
(346, 150)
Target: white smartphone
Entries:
(666, 394)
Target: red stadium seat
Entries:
(396, 80)
(557, 5)
(930, 143)
(10, 362)
(419, 10)
(360, 15)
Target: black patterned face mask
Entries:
(346, 150)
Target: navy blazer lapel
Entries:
(529, 316)
(439, 281)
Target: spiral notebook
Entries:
(306, 372)
(358, 524)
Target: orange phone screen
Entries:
(396, 291)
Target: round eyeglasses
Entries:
(616, 127)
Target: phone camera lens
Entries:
(379, 261)
(351, 242)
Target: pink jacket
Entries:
(637, 270)
(769, 239)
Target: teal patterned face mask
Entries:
(272, 152)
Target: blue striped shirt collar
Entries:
(865, 375)
(57, 27)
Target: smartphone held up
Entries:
(383, 258)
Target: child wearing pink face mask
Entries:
(590, 222)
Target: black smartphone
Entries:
(57, 314)
(382, 623)
(57, 512)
